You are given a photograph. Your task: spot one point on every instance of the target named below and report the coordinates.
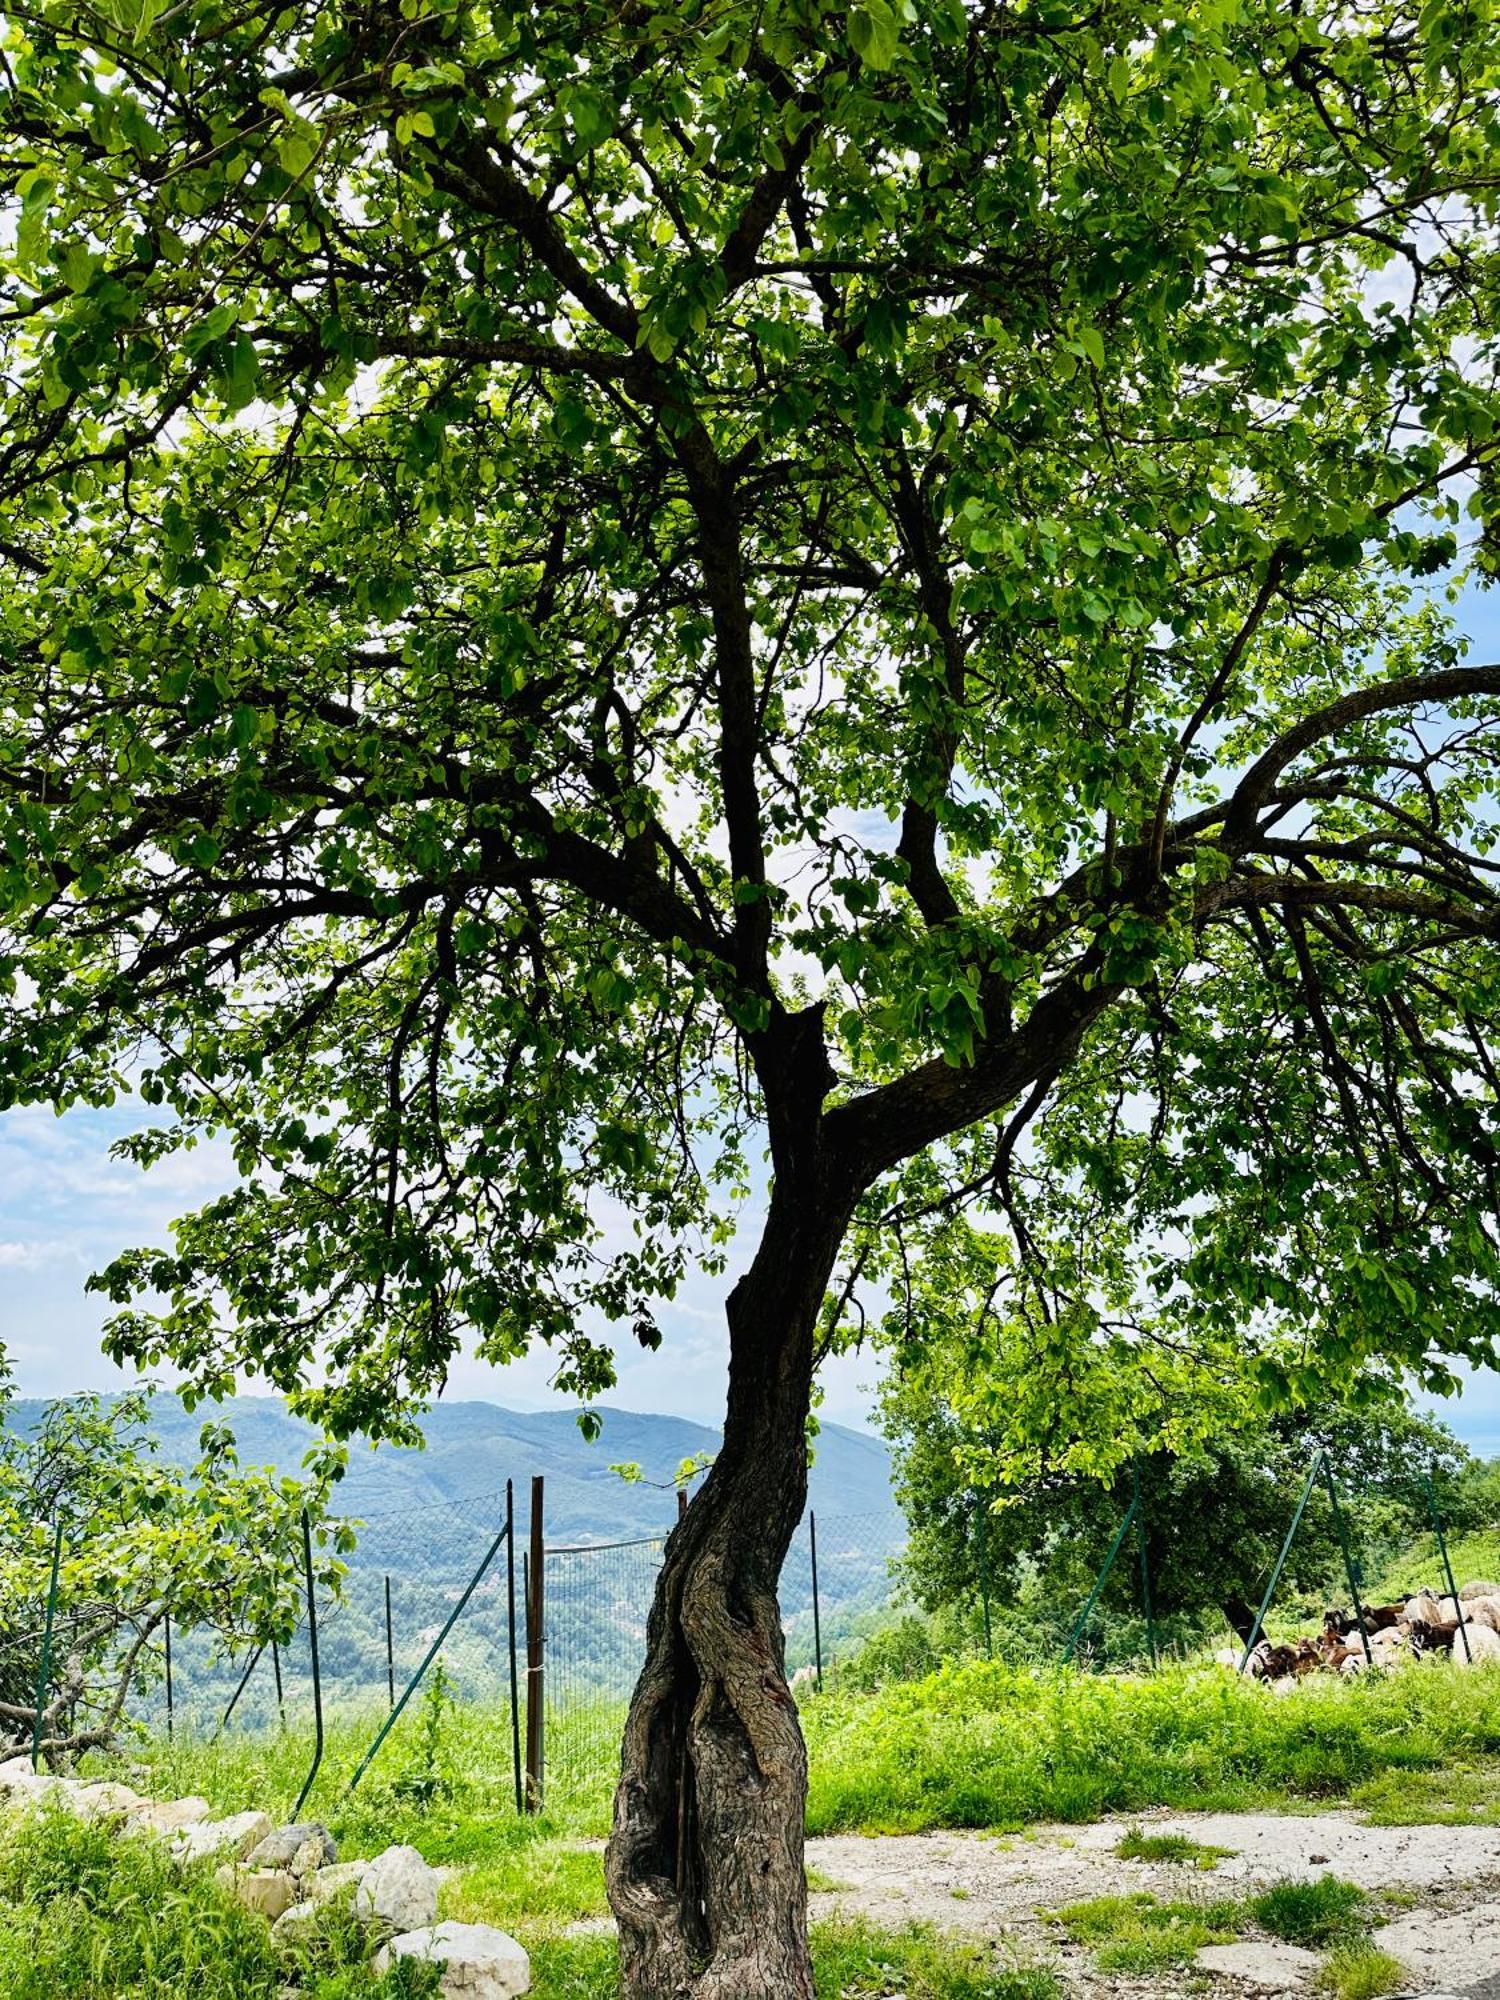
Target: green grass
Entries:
(85, 1915)
(1360, 1972)
(1139, 1934)
(1133, 1845)
(983, 1744)
(850, 1962)
(1322, 1912)
(1142, 1934)
(535, 1891)
(1475, 1557)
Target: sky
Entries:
(66, 1208)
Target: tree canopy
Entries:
(544, 543)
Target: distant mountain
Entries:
(429, 1516)
(473, 1448)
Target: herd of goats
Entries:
(1467, 1627)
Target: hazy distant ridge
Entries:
(473, 1448)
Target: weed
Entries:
(1134, 1845)
(1138, 1934)
(1320, 1912)
(426, 1778)
(1360, 1972)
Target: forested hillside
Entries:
(473, 1448)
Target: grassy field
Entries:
(977, 1745)
(989, 1746)
(1475, 1558)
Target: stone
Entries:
(168, 1816)
(1274, 1968)
(107, 1801)
(39, 1789)
(14, 1771)
(303, 1848)
(334, 1880)
(296, 1920)
(230, 1839)
(479, 1962)
(270, 1890)
(398, 1891)
(1457, 1950)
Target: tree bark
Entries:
(705, 1861)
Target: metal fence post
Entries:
(44, 1671)
(432, 1652)
(1349, 1565)
(317, 1674)
(390, 1651)
(1286, 1549)
(1442, 1542)
(171, 1706)
(982, 1552)
(536, 1604)
(280, 1695)
(812, 1545)
(234, 1699)
(510, 1627)
(1140, 1541)
(1103, 1577)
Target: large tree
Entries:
(595, 588)
(1214, 1514)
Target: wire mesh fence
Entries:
(438, 1598)
(596, 1603)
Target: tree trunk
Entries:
(705, 1860)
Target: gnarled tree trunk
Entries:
(705, 1860)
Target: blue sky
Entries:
(66, 1208)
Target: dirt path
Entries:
(1000, 1887)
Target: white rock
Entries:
(14, 1771)
(332, 1881)
(303, 1847)
(167, 1816)
(479, 1963)
(39, 1789)
(398, 1891)
(1274, 1968)
(296, 1919)
(269, 1890)
(230, 1838)
(107, 1801)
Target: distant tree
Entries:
(1215, 1516)
(211, 1547)
(590, 587)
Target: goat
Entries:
(1433, 1635)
